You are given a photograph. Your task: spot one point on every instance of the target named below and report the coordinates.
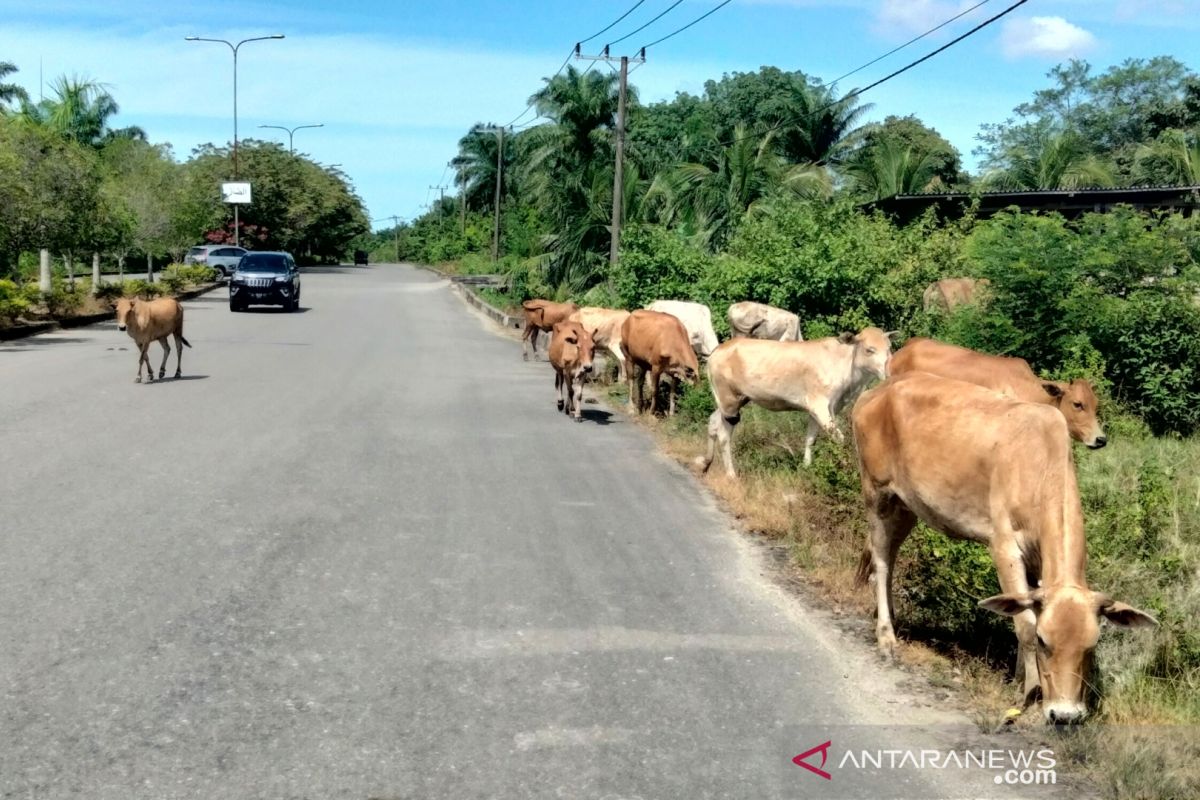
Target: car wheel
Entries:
(236, 307)
(221, 273)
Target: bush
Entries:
(178, 277)
(139, 287)
(13, 302)
(109, 291)
(62, 299)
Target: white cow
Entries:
(761, 321)
(696, 319)
(605, 323)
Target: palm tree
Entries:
(80, 109)
(1173, 158)
(1050, 160)
(476, 166)
(892, 168)
(815, 127)
(10, 92)
(706, 200)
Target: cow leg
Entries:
(818, 421)
(1010, 570)
(890, 524)
(674, 389)
(655, 377)
(636, 377)
(558, 393)
(578, 400)
(144, 358)
(162, 368)
(529, 332)
(178, 354)
(615, 349)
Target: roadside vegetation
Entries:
(74, 185)
(758, 190)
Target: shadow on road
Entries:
(176, 380)
(332, 270)
(598, 416)
(33, 342)
(274, 310)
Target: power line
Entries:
(611, 24)
(709, 13)
(900, 71)
(647, 25)
(913, 40)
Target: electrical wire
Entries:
(888, 77)
(709, 13)
(913, 40)
(613, 23)
(647, 25)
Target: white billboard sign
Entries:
(235, 192)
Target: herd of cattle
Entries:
(974, 445)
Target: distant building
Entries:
(1071, 203)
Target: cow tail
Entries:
(866, 566)
(185, 341)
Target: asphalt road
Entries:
(357, 553)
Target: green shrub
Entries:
(110, 291)
(13, 302)
(139, 287)
(62, 299)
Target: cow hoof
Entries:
(178, 375)
(560, 405)
(524, 356)
(579, 419)
(138, 379)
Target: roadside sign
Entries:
(235, 192)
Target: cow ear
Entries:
(1052, 388)
(845, 337)
(595, 333)
(1124, 616)
(1010, 605)
(891, 334)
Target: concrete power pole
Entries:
(619, 168)
(462, 201)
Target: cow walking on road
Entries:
(153, 321)
(571, 348)
(980, 466)
(818, 376)
(540, 317)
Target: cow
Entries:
(541, 316)
(605, 323)
(1008, 375)
(149, 321)
(571, 347)
(951, 292)
(818, 376)
(697, 321)
(980, 466)
(655, 342)
(760, 321)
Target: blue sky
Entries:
(396, 83)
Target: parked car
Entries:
(360, 257)
(221, 257)
(265, 278)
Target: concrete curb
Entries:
(23, 331)
(504, 319)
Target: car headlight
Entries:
(281, 278)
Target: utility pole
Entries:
(395, 232)
(462, 200)
(619, 168)
(499, 180)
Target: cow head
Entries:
(686, 368)
(1078, 403)
(579, 344)
(872, 349)
(1068, 627)
(124, 306)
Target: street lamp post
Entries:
(292, 132)
(234, 48)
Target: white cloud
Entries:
(1045, 36)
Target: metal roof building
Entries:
(1070, 203)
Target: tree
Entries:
(476, 164)
(10, 92)
(80, 110)
(902, 155)
(1172, 159)
(1052, 160)
(145, 176)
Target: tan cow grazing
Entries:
(977, 465)
(571, 348)
(542, 316)
(605, 324)
(1011, 376)
(697, 321)
(761, 321)
(655, 342)
(949, 293)
(818, 376)
(149, 321)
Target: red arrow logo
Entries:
(824, 750)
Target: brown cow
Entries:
(153, 320)
(819, 376)
(541, 315)
(571, 349)
(977, 465)
(655, 342)
(605, 323)
(951, 292)
(1007, 375)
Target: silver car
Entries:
(223, 258)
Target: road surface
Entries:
(356, 553)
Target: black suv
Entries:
(265, 279)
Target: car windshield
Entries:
(263, 262)
(195, 251)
